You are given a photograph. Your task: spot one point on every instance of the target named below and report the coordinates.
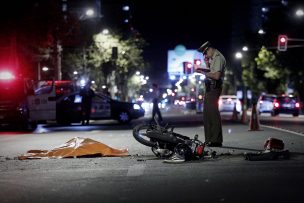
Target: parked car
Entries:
(227, 103)
(265, 103)
(69, 109)
(287, 104)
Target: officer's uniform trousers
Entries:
(212, 117)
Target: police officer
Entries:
(87, 95)
(216, 64)
(155, 110)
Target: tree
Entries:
(272, 71)
(119, 68)
(105, 68)
(294, 62)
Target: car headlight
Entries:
(136, 106)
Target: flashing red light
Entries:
(6, 75)
(297, 105)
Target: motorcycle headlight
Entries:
(136, 106)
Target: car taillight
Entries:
(297, 105)
(276, 105)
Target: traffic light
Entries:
(197, 64)
(188, 68)
(282, 42)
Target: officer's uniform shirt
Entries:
(218, 63)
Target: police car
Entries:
(103, 107)
(23, 106)
(14, 103)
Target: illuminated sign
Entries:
(178, 56)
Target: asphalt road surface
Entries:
(142, 177)
(146, 179)
(284, 121)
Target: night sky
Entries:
(165, 24)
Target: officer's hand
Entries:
(206, 60)
(202, 70)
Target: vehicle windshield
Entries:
(62, 88)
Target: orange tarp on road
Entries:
(76, 147)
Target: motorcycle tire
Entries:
(184, 150)
(140, 134)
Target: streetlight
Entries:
(105, 31)
(245, 48)
(126, 8)
(239, 56)
(88, 13)
(261, 31)
(299, 12)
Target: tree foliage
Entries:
(106, 67)
(274, 74)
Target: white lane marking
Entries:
(136, 170)
(284, 130)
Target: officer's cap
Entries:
(204, 47)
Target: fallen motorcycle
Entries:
(164, 142)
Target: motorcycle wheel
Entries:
(184, 150)
(141, 135)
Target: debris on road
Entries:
(274, 149)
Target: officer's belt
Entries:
(213, 83)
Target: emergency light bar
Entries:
(6, 75)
